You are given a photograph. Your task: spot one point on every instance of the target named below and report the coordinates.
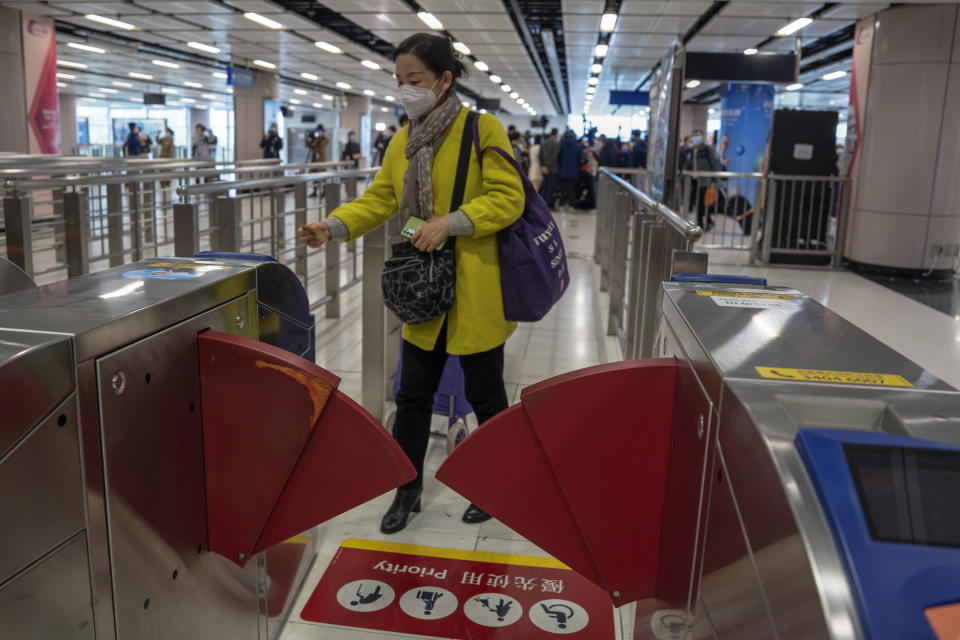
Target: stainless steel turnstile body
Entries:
(101, 460)
(758, 365)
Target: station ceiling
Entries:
(542, 50)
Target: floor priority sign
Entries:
(453, 593)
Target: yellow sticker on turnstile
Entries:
(833, 377)
(742, 294)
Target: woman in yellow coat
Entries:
(416, 179)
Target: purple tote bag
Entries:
(533, 263)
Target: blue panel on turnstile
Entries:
(895, 580)
(718, 279)
(232, 255)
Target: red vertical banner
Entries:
(40, 76)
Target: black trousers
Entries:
(419, 379)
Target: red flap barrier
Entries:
(580, 468)
(283, 449)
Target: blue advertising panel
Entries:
(746, 115)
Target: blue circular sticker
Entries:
(162, 273)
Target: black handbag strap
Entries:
(463, 163)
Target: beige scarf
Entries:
(424, 139)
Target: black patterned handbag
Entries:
(419, 285)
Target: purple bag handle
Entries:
(506, 156)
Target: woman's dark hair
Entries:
(435, 52)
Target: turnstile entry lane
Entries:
(775, 473)
(169, 441)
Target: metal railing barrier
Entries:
(639, 244)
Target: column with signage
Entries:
(252, 92)
(29, 110)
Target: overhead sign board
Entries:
(631, 98)
(737, 67)
(239, 77)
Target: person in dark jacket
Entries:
(569, 162)
(351, 151)
(549, 166)
(607, 152)
(271, 143)
(701, 157)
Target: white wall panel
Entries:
(892, 240)
(914, 34)
(946, 191)
(898, 156)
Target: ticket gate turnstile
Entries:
(165, 437)
(775, 473)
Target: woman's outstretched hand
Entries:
(314, 234)
(431, 235)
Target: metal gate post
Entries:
(617, 264)
(185, 230)
(114, 216)
(76, 228)
(16, 217)
(331, 261)
(225, 222)
(300, 219)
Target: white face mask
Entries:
(417, 101)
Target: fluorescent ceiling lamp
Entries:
(608, 22)
(496, 79)
(72, 65)
(209, 96)
(481, 65)
(293, 101)
(259, 19)
(219, 74)
(203, 47)
(370, 64)
(300, 92)
(601, 50)
(328, 96)
(520, 101)
(109, 22)
(380, 126)
(794, 87)
(85, 47)
(591, 89)
(751, 51)
(430, 20)
(265, 64)
(514, 95)
(67, 76)
(108, 90)
(168, 90)
(342, 85)
(317, 105)
(593, 80)
(229, 89)
(794, 26)
(97, 95)
(483, 110)
(389, 98)
(533, 113)
(188, 100)
(310, 76)
(462, 48)
(506, 88)
(384, 109)
(61, 84)
(141, 76)
(326, 46)
(125, 85)
(368, 92)
(195, 85)
(164, 63)
(596, 68)
(201, 106)
(833, 75)
(693, 84)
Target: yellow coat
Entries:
(492, 201)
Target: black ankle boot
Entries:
(475, 515)
(404, 502)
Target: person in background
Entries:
(131, 144)
(404, 120)
(271, 142)
(146, 143)
(517, 147)
(592, 163)
(317, 143)
(167, 147)
(722, 151)
(351, 151)
(607, 152)
(533, 173)
(700, 158)
(417, 180)
(638, 150)
(569, 165)
(549, 166)
(200, 147)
